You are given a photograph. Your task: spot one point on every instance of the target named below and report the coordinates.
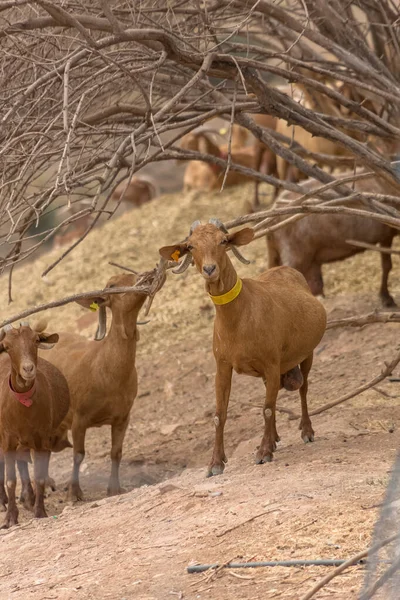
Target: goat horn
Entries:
(218, 224)
(8, 327)
(240, 256)
(235, 251)
(24, 324)
(183, 265)
(102, 326)
(193, 226)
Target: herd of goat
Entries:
(266, 327)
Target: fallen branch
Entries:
(349, 563)
(389, 367)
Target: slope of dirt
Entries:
(313, 501)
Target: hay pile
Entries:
(181, 308)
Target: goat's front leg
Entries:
(41, 469)
(117, 439)
(307, 432)
(12, 509)
(270, 437)
(386, 263)
(223, 379)
(3, 495)
(78, 438)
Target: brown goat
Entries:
(204, 176)
(137, 192)
(264, 327)
(265, 158)
(102, 376)
(317, 239)
(34, 399)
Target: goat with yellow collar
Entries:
(266, 327)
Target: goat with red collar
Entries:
(34, 399)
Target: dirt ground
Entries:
(313, 501)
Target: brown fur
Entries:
(102, 378)
(204, 176)
(37, 427)
(317, 239)
(139, 191)
(269, 329)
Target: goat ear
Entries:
(48, 340)
(2, 349)
(241, 237)
(174, 252)
(91, 303)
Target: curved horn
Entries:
(102, 326)
(24, 324)
(8, 327)
(239, 256)
(235, 251)
(183, 265)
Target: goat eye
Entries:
(224, 242)
(189, 247)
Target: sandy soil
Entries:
(314, 501)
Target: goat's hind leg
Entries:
(78, 437)
(270, 437)
(117, 439)
(307, 432)
(3, 495)
(386, 263)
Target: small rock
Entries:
(215, 494)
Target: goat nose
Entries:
(28, 368)
(209, 269)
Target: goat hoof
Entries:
(75, 493)
(10, 520)
(115, 491)
(308, 438)
(215, 470)
(51, 484)
(262, 459)
(40, 513)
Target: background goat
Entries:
(34, 399)
(102, 376)
(308, 243)
(264, 327)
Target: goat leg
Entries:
(307, 432)
(223, 380)
(386, 264)
(27, 496)
(41, 468)
(117, 439)
(12, 509)
(78, 437)
(3, 495)
(270, 437)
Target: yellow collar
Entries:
(229, 296)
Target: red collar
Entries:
(26, 397)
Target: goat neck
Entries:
(18, 384)
(124, 319)
(226, 281)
